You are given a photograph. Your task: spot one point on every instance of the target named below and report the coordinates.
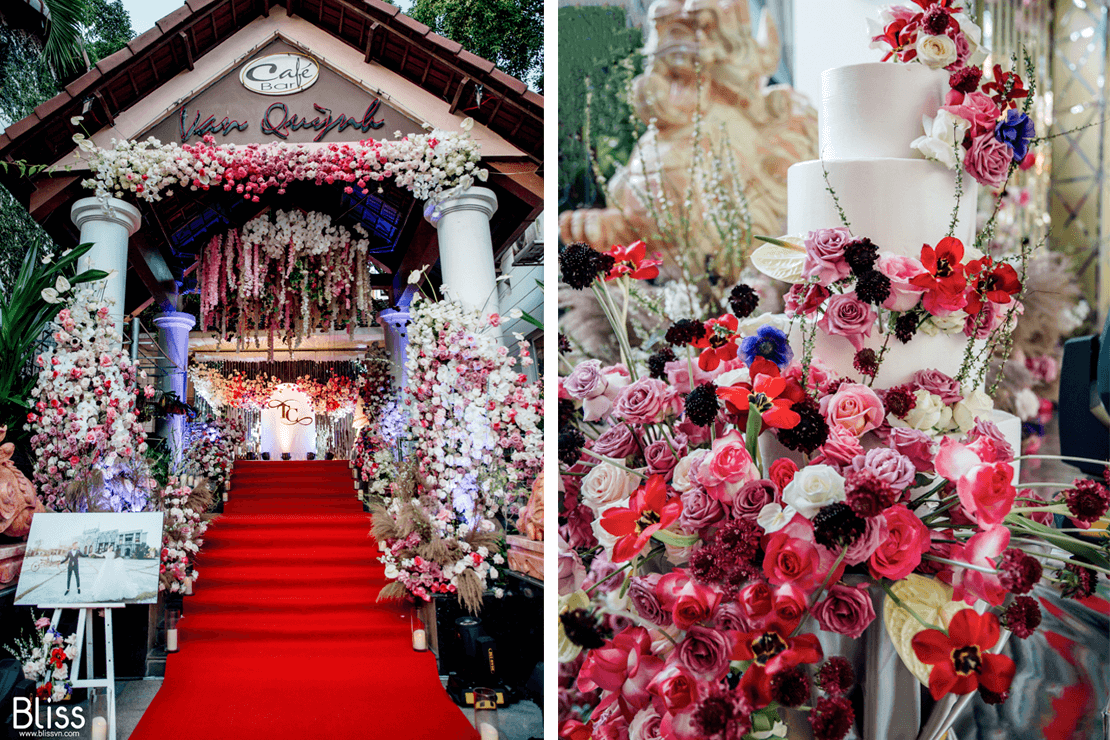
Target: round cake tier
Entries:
(875, 109)
(899, 204)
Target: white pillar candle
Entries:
(171, 640)
(225, 496)
(487, 731)
(188, 586)
(419, 640)
(99, 728)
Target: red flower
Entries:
(960, 659)
(996, 283)
(650, 510)
(632, 261)
(772, 651)
(718, 344)
(945, 281)
(770, 394)
(998, 86)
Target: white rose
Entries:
(977, 54)
(681, 479)
(1026, 404)
(977, 405)
(941, 134)
(928, 412)
(814, 487)
(936, 51)
(606, 484)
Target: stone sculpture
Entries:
(18, 500)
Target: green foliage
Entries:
(506, 32)
(63, 45)
(18, 234)
(26, 79)
(598, 57)
(107, 28)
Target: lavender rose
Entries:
(705, 653)
(860, 550)
(616, 442)
(988, 160)
(645, 401)
(700, 510)
(643, 596)
(585, 380)
(915, 445)
(889, 465)
(939, 384)
(572, 572)
(825, 255)
(663, 455)
(752, 497)
(847, 610)
(849, 317)
(730, 616)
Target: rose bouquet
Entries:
(374, 461)
(46, 659)
(731, 507)
(210, 448)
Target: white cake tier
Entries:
(899, 204)
(875, 109)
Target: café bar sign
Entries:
(280, 74)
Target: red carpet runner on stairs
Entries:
(283, 637)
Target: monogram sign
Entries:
(289, 413)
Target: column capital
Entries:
(113, 210)
(175, 320)
(395, 318)
(483, 200)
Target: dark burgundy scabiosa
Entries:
(791, 688)
(810, 432)
(935, 21)
(657, 363)
(702, 404)
(836, 526)
(860, 254)
(685, 331)
(905, 326)
(731, 558)
(1088, 501)
(1019, 571)
(564, 344)
(568, 412)
(832, 718)
(1077, 581)
(1022, 616)
(867, 493)
(836, 676)
(580, 265)
(743, 301)
(873, 287)
(966, 80)
(570, 446)
(582, 628)
(899, 400)
(722, 715)
(866, 362)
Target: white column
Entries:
(173, 340)
(466, 247)
(395, 327)
(108, 226)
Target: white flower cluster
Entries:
(47, 662)
(182, 535)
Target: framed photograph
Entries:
(102, 558)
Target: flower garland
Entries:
(293, 274)
(182, 535)
(337, 396)
(211, 447)
(374, 461)
(430, 166)
(46, 660)
(979, 126)
(84, 418)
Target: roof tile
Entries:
(197, 5)
(56, 102)
(387, 8)
(474, 60)
(173, 19)
(451, 47)
(509, 81)
(144, 40)
(84, 81)
(22, 126)
(413, 24)
(110, 62)
(4, 141)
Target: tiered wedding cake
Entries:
(869, 114)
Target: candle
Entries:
(99, 728)
(171, 640)
(487, 731)
(419, 640)
(188, 586)
(225, 496)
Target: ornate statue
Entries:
(710, 139)
(530, 521)
(18, 500)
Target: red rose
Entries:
(690, 602)
(756, 600)
(793, 556)
(675, 686)
(907, 540)
(782, 472)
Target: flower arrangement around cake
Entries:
(46, 658)
(729, 496)
(85, 430)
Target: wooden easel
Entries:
(85, 631)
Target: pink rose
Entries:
(757, 600)
(642, 594)
(645, 401)
(980, 111)
(860, 550)
(988, 160)
(616, 442)
(987, 441)
(623, 668)
(854, 407)
(907, 540)
(987, 492)
(939, 384)
(781, 473)
(596, 387)
(849, 317)
(914, 444)
(903, 295)
(981, 550)
(790, 605)
(846, 610)
(678, 375)
(791, 555)
(804, 299)
(727, 467)
(705, 653)
(675, 686)
(752, 497)
(889, 465)
(700, 510)
(645, 725)
(572, 573)
(840, 448)
(730, 616)
(662, 456)
(825, 255)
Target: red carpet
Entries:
(283, 637)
